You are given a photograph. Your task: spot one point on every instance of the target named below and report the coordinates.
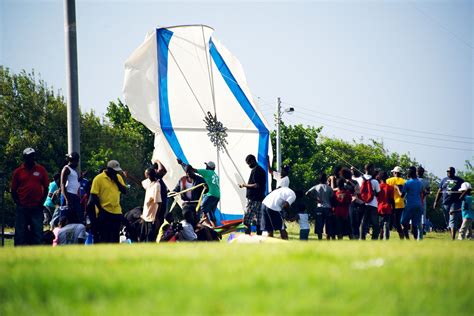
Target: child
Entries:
(467, 211)
(302, 216)
(386, 204)
(342, 201)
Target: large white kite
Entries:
(187, 88)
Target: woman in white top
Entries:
(70, 189)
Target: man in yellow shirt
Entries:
(105, 197)
(397, 182)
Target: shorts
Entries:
(272, 220)
(253, 211)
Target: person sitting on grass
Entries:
(169, 219)
(341, 201)
(272, 207)
(187, 233)
(467, 212)
(386, 204)
(71, 233)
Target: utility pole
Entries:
(73, 113)
(278, 136)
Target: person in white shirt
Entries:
(187, 233)
(370, 215)
(281, 178)
(70, 189)
(150, 206)
(272, 207)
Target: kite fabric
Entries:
(188, 89)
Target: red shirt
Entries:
(385, 198)
(30, 185)
(342, 201)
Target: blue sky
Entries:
(404, 66)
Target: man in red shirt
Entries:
(342, 200)
(29, 191)
(386, 204)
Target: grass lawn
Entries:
(432, 277)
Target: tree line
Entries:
(32, 114)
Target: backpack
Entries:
(366, 190)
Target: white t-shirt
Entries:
(375, 187)
(275, 199)
(303, 220)
(71, 233)
(281, 182)
(189, 185)
(152, 199)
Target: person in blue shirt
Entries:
(51, 199)
(467, 212)
(449, 190)
(412, 192)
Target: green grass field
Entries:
(432, 277)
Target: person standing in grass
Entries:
(70, 189)
(256, 187)
(29, 190)
(356, 209)
(467, 212)
(151, 206)
(420, 172)
(323, 193)
(386, 204)
(53, 196)
(449, 190)
(412, 191)
(341, 201)
(302, 215)
(369, 189)
(397, 183)
(105, 197)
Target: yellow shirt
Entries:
(396, 181)
(107, 191)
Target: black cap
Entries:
(451, 169)
(72, 156)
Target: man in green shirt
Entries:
(212, 196)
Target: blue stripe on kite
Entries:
(264, 134)
(163, 37)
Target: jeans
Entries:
(208, 207)
(370, 217)
(384, 224)
(32, 217)
(355, 217)
(412, 213)
(321, 216)
(304, 234)
(75, 212)
(397, 221)
(452, 221)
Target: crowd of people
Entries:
(347, 203)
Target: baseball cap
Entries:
(210, 164)
(72, 156)
(114, 164)
(28, 151)
(397, 169)
(451, 169)
(465, 186)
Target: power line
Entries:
(377, 124)
(384, 131)
(383, 137)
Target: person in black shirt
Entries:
(256, 188)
